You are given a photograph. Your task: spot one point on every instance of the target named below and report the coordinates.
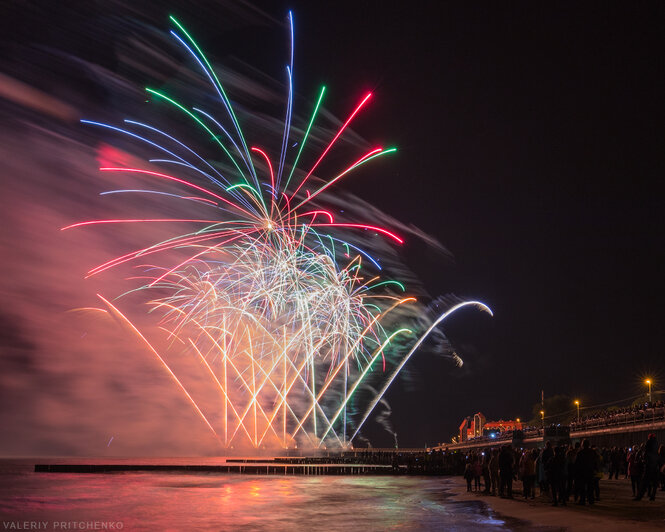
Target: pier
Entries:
(621, 430)
(274, 467)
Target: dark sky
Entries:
(530, 141)
(531, 145)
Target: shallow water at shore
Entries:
(176, 501)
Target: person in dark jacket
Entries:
(571, 454)
(635, 468)
(468, 475)
(585, 467)
(477, 472)
(494, 471)
(486, 473)
(597, 473)
(545, 456)
(506, 464)
(661, 453)
(649, 483)
(615, 463)
(556, 476)
(527, 467)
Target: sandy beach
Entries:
(615, 511)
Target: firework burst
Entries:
(287, 316)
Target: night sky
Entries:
(530, 141)
(531, 145)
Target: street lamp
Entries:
(648, 383)
(542, 417)
(577, 404)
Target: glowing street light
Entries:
(542, 417)
(648, 383)
(577, 404)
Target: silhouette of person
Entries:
(585, 468)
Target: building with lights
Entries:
(477, 425)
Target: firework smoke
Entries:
(266, 288)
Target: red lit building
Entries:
(471, 427)
(477, 425)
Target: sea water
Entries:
(209, 501)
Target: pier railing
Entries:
(639, 417)
(643, 419)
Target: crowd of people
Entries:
(627, 414)
(566, 471)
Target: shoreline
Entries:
(614, 512)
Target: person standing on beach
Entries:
(521, 474)
(545, 458)
(486, 473)
(576, 487)
(597, 473)
(585, 467)
(571, 454)
(477, 472)
(506, 464)
(661, 454)
(649, 482)
(635, 469)
(615, 463)
(494, 471)
(556, 472)
(468, 474)
(528, 472)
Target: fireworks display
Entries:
(288, 317)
